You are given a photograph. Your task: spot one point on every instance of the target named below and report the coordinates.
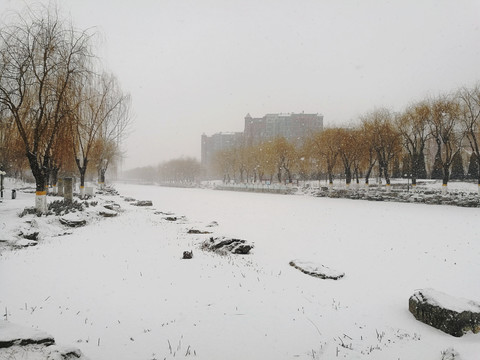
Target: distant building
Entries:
(218, 142)
(293, 127)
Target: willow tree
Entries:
(470, 118)
(414, 130)
(385, 139)
(447, 132)
(324, 147)
(349, 151)
(92, 108)
(43, 56)
(366, 149)
(115, 124)
(284, 156)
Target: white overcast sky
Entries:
(200, 66)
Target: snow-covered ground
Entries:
(119, 289)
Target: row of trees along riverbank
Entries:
(59, 109)
(431, 138)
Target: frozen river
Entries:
(118, 288)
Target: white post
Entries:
(41, 202)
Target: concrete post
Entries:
(68, 188)
(60, 187)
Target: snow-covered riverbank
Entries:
(118, 288)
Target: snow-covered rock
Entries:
(19, 342)
(143, 203)
(224, 244)
(12, 335)
(112, 206)
(24, 243)
(73, 220)
(317, 270)
(197, 231)
(187, 254)
(452, 315)
(107, 213)
(450, 354)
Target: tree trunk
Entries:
(82, 168)
(414, 168)
(348, 175)
(289, 175)
(40, 184)
(330, 178)
(387, 177)
(446, 175)
(54, 177)
(102, 176)
(367, 174)
(478, 173)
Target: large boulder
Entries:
(452, 315)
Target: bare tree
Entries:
(384, 138)
(284, 157)
(470, 118)
(266, 161)
(446, 131)
(92, 107)
(349, 151)
(414, 129)
(116, 120)
(42, 57)
(324, 147)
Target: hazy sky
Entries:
(200, 66)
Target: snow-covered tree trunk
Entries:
(41, 202)
(444, 189)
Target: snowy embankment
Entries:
(119, 289)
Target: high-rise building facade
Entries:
(293, 127)
(218, 142)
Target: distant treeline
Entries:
(435, 137)
(177, 170)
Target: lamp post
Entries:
(408, 175)
(2, 174)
